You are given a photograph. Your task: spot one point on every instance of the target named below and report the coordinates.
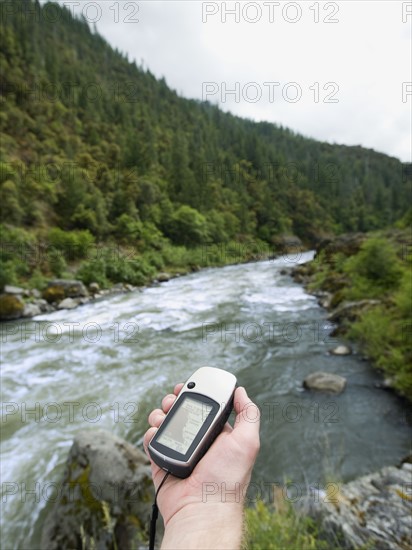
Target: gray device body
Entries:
(194, 421)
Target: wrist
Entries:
(205, 525)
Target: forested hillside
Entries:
(96, 146)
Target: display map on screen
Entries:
(185, 425)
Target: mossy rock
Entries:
(11, 307)
(106, 496)
(54, 294)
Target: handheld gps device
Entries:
(194, 421)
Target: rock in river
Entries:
(325, 381)
(11, 307)
(105, 496)
(341, 350)
(58, 289)
(67, 303)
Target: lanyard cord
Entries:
(155, 514)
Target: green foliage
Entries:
(112, 266)
(8, 274)
(188, 227)
(94, 272)
(71, 244)
(378, 270)
(374, 270)
(57, 262)
(386, 339)
(270, 529)
(18, 252)
(37, 280)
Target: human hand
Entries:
(217, 486)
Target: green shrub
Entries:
(93, 271)
(269, 529)
(8, 274)
(73, 244)
(188, 227)
(37, 280)
(115, 268)
(57, 262)
(375, 269)
(385, 335)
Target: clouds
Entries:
(336, 68)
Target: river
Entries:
(108, 363)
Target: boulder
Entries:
(11, 307)
(373, 511)
(163, 277)
(324, 298)
(67, 303)
(35, 293)
(351, 310)
(104, 499)
(341, 350)
(58, 289)
(30, 310)
(9, 289)
(43, 305)
(94, 288)
(325, 381)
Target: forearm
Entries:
(206, 526)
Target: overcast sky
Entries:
(335, 71)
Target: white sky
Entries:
(364, 59)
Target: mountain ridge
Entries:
(92, 142)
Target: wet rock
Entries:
(35, 293)
(351, 310)
(30, 310)
(325, 381)
(10, 289)
(94, 288)
(105, 497)
(341, 350)
(163, 277)
(118, 287)
(44, 306)
(374, 511)
(11, 307)
(67, 303)
(58, 289)
(324, 298)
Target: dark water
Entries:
(107, 364)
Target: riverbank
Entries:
(364, 281)
(93, 282)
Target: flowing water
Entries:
(108, 363)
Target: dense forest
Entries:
(95, 149)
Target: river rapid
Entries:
(108, 363)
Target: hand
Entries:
(217, 486)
